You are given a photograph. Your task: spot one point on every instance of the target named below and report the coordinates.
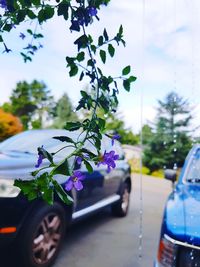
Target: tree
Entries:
(9, 125)
(64, 112)
(146, 134)
(32, 103)
(170, 142)
(85, 63)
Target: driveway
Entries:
(104, 241)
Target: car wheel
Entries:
(120, 208)
(42, 235)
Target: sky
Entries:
(162, 48)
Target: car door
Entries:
(113, 179)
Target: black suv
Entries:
(37, 227)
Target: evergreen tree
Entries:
(64, 112)
(170, 143)
(116, 124)
(32, 103)
(146, 134)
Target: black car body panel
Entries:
(15, 208)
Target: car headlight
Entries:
(7, 188)
(167, 252)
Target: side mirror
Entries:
(170, 175)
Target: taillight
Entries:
(166, 253)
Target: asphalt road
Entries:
(104, 241)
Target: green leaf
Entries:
(126, 70)
(63, 8)
(36, 2)
(61, 193)
(45, 13)
(84, 94)
(21, 15)
(81, 56)
(7, 27)
(132, 79)
(30, 14)
(93, 47)
(126, 85)
(64, 139)
(1, 39)
(103, 56)
(28, 188)
(45, 153)
(111, 50)
(81, 76)
(100, 40)
(105, 34)
(88, 166)
(120, 30)
(48, 195)
(72, 126)
(102, 124)
(62, 168)
(30, 31)
(81, 42)
(73, 71)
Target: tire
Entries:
(120, 208)
(41, 236)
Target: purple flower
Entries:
(108, 159)
(39, 161)
(22, 35)
(3, 4)
(75, 26)
(75, 181)
(92, 11)
(115, 137)
(79, 160)
(40, 158)
(32, 48)
(7, 50)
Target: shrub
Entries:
(9, 125)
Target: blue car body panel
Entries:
(181, 219)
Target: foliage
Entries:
(9, 125)
(64, 112)
(85, 63)
(31, 103)
(146, 134)
(135, 167)
(158, 173)
(170, 143)
(115, 124)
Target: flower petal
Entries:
(69, 184)
(78, 185)
(77, 174)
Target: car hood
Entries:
(182, 214)
(15, 165)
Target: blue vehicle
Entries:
(179, 244)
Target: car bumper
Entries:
(7, 239)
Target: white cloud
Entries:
(170, 46)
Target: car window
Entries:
(193, 172)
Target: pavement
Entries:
(104, 241)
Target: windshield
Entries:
(29, 141)
(193, 172)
